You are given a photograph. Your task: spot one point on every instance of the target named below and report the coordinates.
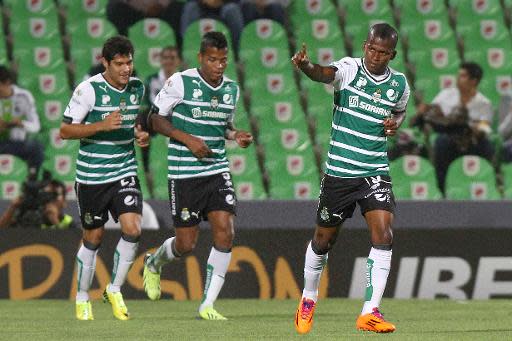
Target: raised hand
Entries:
(301, 58)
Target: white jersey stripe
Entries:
(357, 150)
(358, 134)
(99, 175)
(100, 165)
(193, 120)
(104, 156)
(354, 162)
(193, 159)
(109, 143)
(111, 109)
(196, 175)
(359, 115)
(344, 170)
(365, 95)
(208, 104)
(178, 147)
(211, 138)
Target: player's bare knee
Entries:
(185, 246)
(322, 246)
(94, 236)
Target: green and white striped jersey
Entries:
(361, 103)
(197, 108)
(106, 156)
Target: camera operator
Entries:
(40, 206)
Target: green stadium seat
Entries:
(471, 178)
(62, 165)
(78, 10)
(149, 36)
(86, 44)
(30, 8)
(192, 40)
(506, 169)
(3, 43)
(158, 166)
(29, 31)
(52, 84)
(13, 172)
(305, 10)
(414, 178)
(50, 111)
(294, 175)
(359, 15)
(262, 51)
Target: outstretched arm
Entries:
(316, 72)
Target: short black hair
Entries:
(117, 45)
(383, 31)
(213, 39)
(5, 74)
(56, 185)
(474, 70)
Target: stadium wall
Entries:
(442, 250)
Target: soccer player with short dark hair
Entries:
(195, 109)
(369, 104)
(102, 114)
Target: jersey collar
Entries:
(208, 84)
(373, 77)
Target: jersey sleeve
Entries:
(401, 105)
(80, 104)
(346, 70)
(171, 95)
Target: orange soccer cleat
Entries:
(304, 316)
(374, 322)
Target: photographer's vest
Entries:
(110, 156)
(358, 145)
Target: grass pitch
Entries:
(254, 320)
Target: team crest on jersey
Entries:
(361, 82)
(122, 105)
(391, 94)
(324, 214)
(185, 214)
(88, 218)
(214, 102)
(227, 98)
(394, 83)
(377, 95)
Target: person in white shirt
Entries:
(462, 116)
(18, 116)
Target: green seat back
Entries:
(13, 172)
(149, 36)
(414, 178)
(471, 178)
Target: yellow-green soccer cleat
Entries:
(151, 281)
(209, 313)
(118, 307)
(84, 311)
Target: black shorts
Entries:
(118, 197)
(338, 198)
(192, 199)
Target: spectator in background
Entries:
(124, 13)
(229, 12)
(170, 62)
(264, 9)
(18, 117)
(462, 116)
(505, 131)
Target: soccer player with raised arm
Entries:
(369, 104)
(195, 109)
(102, 114)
